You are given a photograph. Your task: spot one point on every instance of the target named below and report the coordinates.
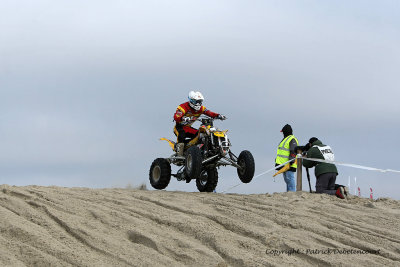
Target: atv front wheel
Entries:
(246, 162)
(193, 162)
(160, 173)
(208, 180)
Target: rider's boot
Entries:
(179, 149)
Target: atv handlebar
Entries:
(206, 120)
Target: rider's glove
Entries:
(221, 117)
(185, 119)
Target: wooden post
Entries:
(299, 183)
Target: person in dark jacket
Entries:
(325, 172)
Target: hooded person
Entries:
(285, 152)
(325, 173)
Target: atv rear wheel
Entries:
(246, 162)
(193, 162)
(160, 173)
(208, 180)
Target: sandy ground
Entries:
(56, 226)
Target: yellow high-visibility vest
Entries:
(283, 152)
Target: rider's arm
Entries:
(209, 113)
(179, 113)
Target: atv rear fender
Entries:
(171, 143)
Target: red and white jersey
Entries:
(185, 110)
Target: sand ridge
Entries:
(60, 226)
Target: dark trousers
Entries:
(185, 132)
(326, 183)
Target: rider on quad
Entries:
(186, 114)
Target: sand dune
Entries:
(58, 226)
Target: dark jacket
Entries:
(320, 167)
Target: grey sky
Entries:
(88, 87)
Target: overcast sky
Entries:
(88, 87)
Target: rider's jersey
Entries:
(185, 110)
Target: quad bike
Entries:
(209, 150)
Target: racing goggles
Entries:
(196, 102)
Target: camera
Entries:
(302, 149)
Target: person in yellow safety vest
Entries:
(285, 153)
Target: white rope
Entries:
(258, 175)
(319, 160)
(349, 165)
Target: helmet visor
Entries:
(196, 102)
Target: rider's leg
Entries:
(183, 133)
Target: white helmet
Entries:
(195, 100)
